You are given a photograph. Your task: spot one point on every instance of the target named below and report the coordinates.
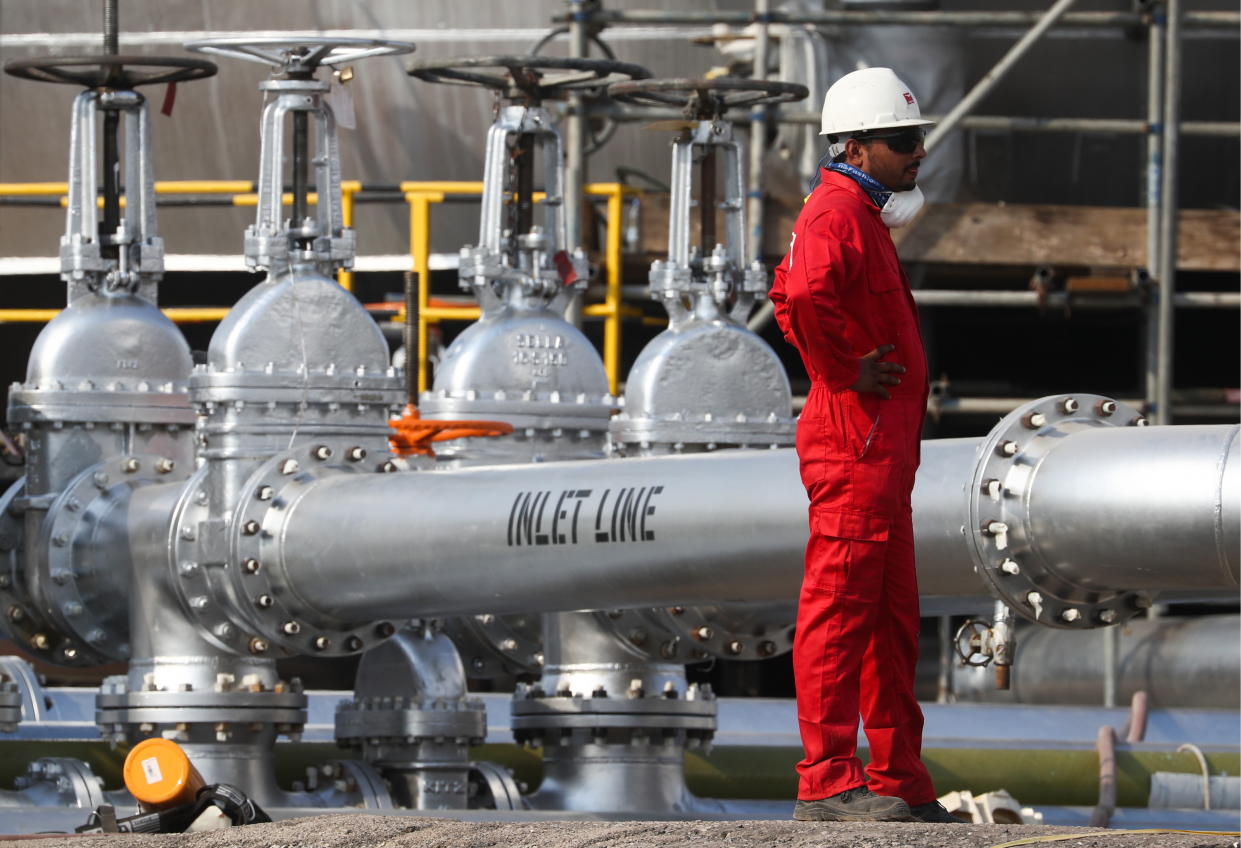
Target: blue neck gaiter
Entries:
(879, 193)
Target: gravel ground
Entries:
(356, 831)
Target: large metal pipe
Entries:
(1178, 662)
(1128, 508)
(1170, 493)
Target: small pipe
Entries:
(1106, 746)
(943, 688)
(1169, 203)
(758, 140)
(1156, 35)
(643, 17)
(1135, 731)
(997, 73)
(1111, 665)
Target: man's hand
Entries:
(873, 375)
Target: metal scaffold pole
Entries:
(1166, 276)
(758, 137)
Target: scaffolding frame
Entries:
(1165, 22)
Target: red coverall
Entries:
(838, 295)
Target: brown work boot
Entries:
(857, 804)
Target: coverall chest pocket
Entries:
(883, 274)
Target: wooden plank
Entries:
(1090, 236)
(1008, 234)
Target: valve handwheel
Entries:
(300, 53)
(971, 642)
(414, 435)
(531, 78)
(705, 99)
(115, 72)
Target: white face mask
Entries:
(902, 207)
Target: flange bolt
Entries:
(1071, 615)
(258, 645)
(164, 465)
(1034, 420)
(251, 566)
(1107, 407)
(1107, 616)
(322, 643)
(321, 452)
(250, 528)
(355, 454)
(1069, 405)
(290, 628)
(1010, 566)
(1007, 448)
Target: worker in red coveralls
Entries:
(842, 299)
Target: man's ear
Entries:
(853, 151)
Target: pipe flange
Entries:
(496, 645)
(999, 522)
(229, 577)
(697, 633)
(259, 584)
(76, 785)
(409, 721)
(703, 431)
(23, 620)
(85, 590)
(616, 719)
(229, 711)
(10, 704)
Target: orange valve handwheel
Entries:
(414, 434)
(159, 774)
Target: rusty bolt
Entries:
(1107, 407)
(1069, 405)
(321, 452)
(703, 633)
(1007, 448)
(355, 454)
(258, 645)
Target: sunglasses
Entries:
(905, 141)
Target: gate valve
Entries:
(981, 643)
(275, 243)
(118, 253)
(515, 258)
(722, 280)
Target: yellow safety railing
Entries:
(420, 196)
(243, 195)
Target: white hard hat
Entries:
(869, 99)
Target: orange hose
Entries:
(413, 434)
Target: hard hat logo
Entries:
(869, 99)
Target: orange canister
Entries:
(160, 775)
